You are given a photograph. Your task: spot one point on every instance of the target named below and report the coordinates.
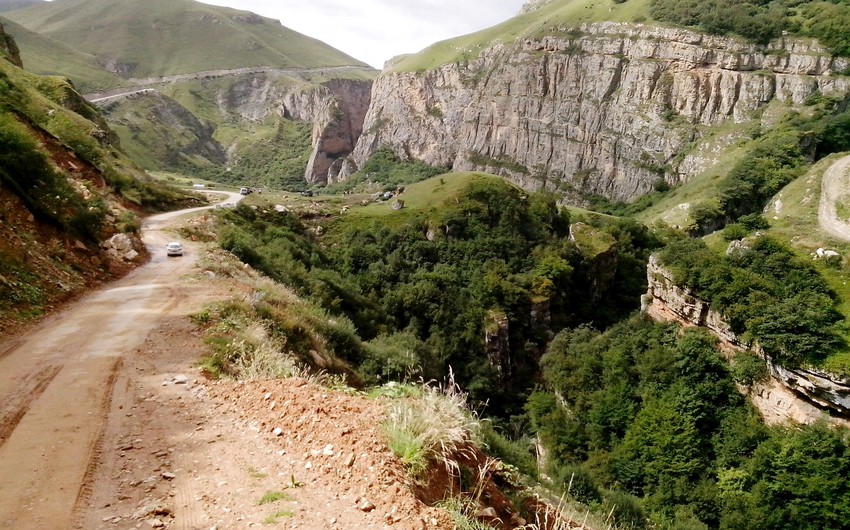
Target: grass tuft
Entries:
(433, 428)
(274, 496)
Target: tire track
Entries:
(87, 485)
(17, 404)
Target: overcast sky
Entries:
(376, 30)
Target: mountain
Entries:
(265, 106)
(588, 99)
(11, 5)
(44, 55)
(164, 37)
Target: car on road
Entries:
(245, 191)
(174, 248)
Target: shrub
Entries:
(627, 510)
(431, 429)
(518, 453)
(576, 482)
(396, 357)
(734, 231)
(748, 369)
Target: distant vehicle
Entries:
(244, 191)
(307, 193)
(174, 248)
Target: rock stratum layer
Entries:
(606, 108)
(803, 395)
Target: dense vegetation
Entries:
(767, 295)
(27, 171)
(763, 20)
(278, 162)
(649, 410)
(642, 421)
(424, 291)
(384, 171)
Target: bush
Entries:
(431, 429)
(397, 357)
(748, 369)
(518, 453)
(627, 510)
(577, 482)
(734, 231)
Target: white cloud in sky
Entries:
(376, 30)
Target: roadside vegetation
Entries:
(64, 188)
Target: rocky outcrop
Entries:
(337, 110)
(601, 255)
(497, 343)
(607, 108)
(799, 394)
(335, 107)
(533, 5)
(9, 48)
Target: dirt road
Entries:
(56, 385)
(833, 186)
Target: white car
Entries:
(174, 248)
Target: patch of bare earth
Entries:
(179, 451)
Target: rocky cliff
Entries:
(9, 48)
(605, 108)
(337, 110)
(803, 395)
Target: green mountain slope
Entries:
(43, 55)
(65, 189)
(164, 37)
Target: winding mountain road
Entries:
(833, 186)
(56, 384)
(142, 85)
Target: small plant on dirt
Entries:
(462, 512)
(274, 496)
(293, 484)
(256, 473)
(273, 518)
(464, 507)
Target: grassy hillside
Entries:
(164, 37)
(42, 55)
(64, 188)
(546, 20)
(11, 5)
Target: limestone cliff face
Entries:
(801, 395)
(605, 108)
(336, 108)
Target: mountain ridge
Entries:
(156, 38)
